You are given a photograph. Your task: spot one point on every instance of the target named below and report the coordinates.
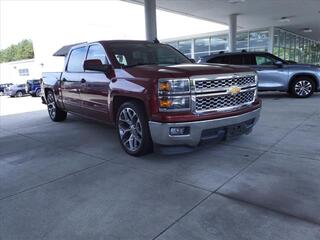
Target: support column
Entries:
(232, 32)
(150, 19)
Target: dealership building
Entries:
(287, 28)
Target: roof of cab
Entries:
(62, 52)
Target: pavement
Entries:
(71, 180)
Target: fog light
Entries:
(176, 131)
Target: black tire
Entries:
(55, 113)
(302, 87)
(134, 129)
(18, 94)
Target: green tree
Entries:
(15, 52)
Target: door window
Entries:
(235, 59)
(97, 52)
(76, 59)
(247, 59)
(221, 59)
(264, 60)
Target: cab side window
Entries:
(221, 59)
(75, 63)
(264, 60)
(235, 59)
(97, 52)
(248, 59)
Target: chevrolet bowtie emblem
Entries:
(234, 90)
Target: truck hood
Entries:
(182, 70)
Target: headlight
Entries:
(168, 89)
(170, 103)
(174, 86)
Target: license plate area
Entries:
(239, 129)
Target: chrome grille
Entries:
(219, 102)
(241, 81)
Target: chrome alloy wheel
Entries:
(51, 105)
(303, 88)
(130, 129)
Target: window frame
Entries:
(103, 49)
(69, 56)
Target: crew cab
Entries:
(153, 94)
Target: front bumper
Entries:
(203, 130)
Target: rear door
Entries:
(71, 80)
(271, 76)
(94, 91)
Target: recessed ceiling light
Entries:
(307, 30)
(285, 19)
(236, 1)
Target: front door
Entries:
(71, 80)
(95, 87)
(271, 76)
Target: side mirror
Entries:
(278, 63)
(96, 65)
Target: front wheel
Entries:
(55, 113)
(133, 130)
(302, 87)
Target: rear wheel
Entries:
(55, 113)
(302, 87)
(133, 129)
(19, 94)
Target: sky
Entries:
(51, 24)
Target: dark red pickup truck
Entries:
(153, 94)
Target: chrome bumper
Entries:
(216, 129)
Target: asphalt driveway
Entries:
(71, 180)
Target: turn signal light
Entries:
(164, 86)
(165, 103)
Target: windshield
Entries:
(133, 54)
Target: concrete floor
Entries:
(71, 180)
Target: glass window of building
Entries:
(297, 55)
(173, 44)
(242, 41)
(23, 72)
(185, 47)
(218, 43)
(201, 47)
(259, 41)
(276, 42)
(282, 43)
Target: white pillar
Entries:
(232, 32)
(150, 19)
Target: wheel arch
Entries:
(118, 100)
(309, 75)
